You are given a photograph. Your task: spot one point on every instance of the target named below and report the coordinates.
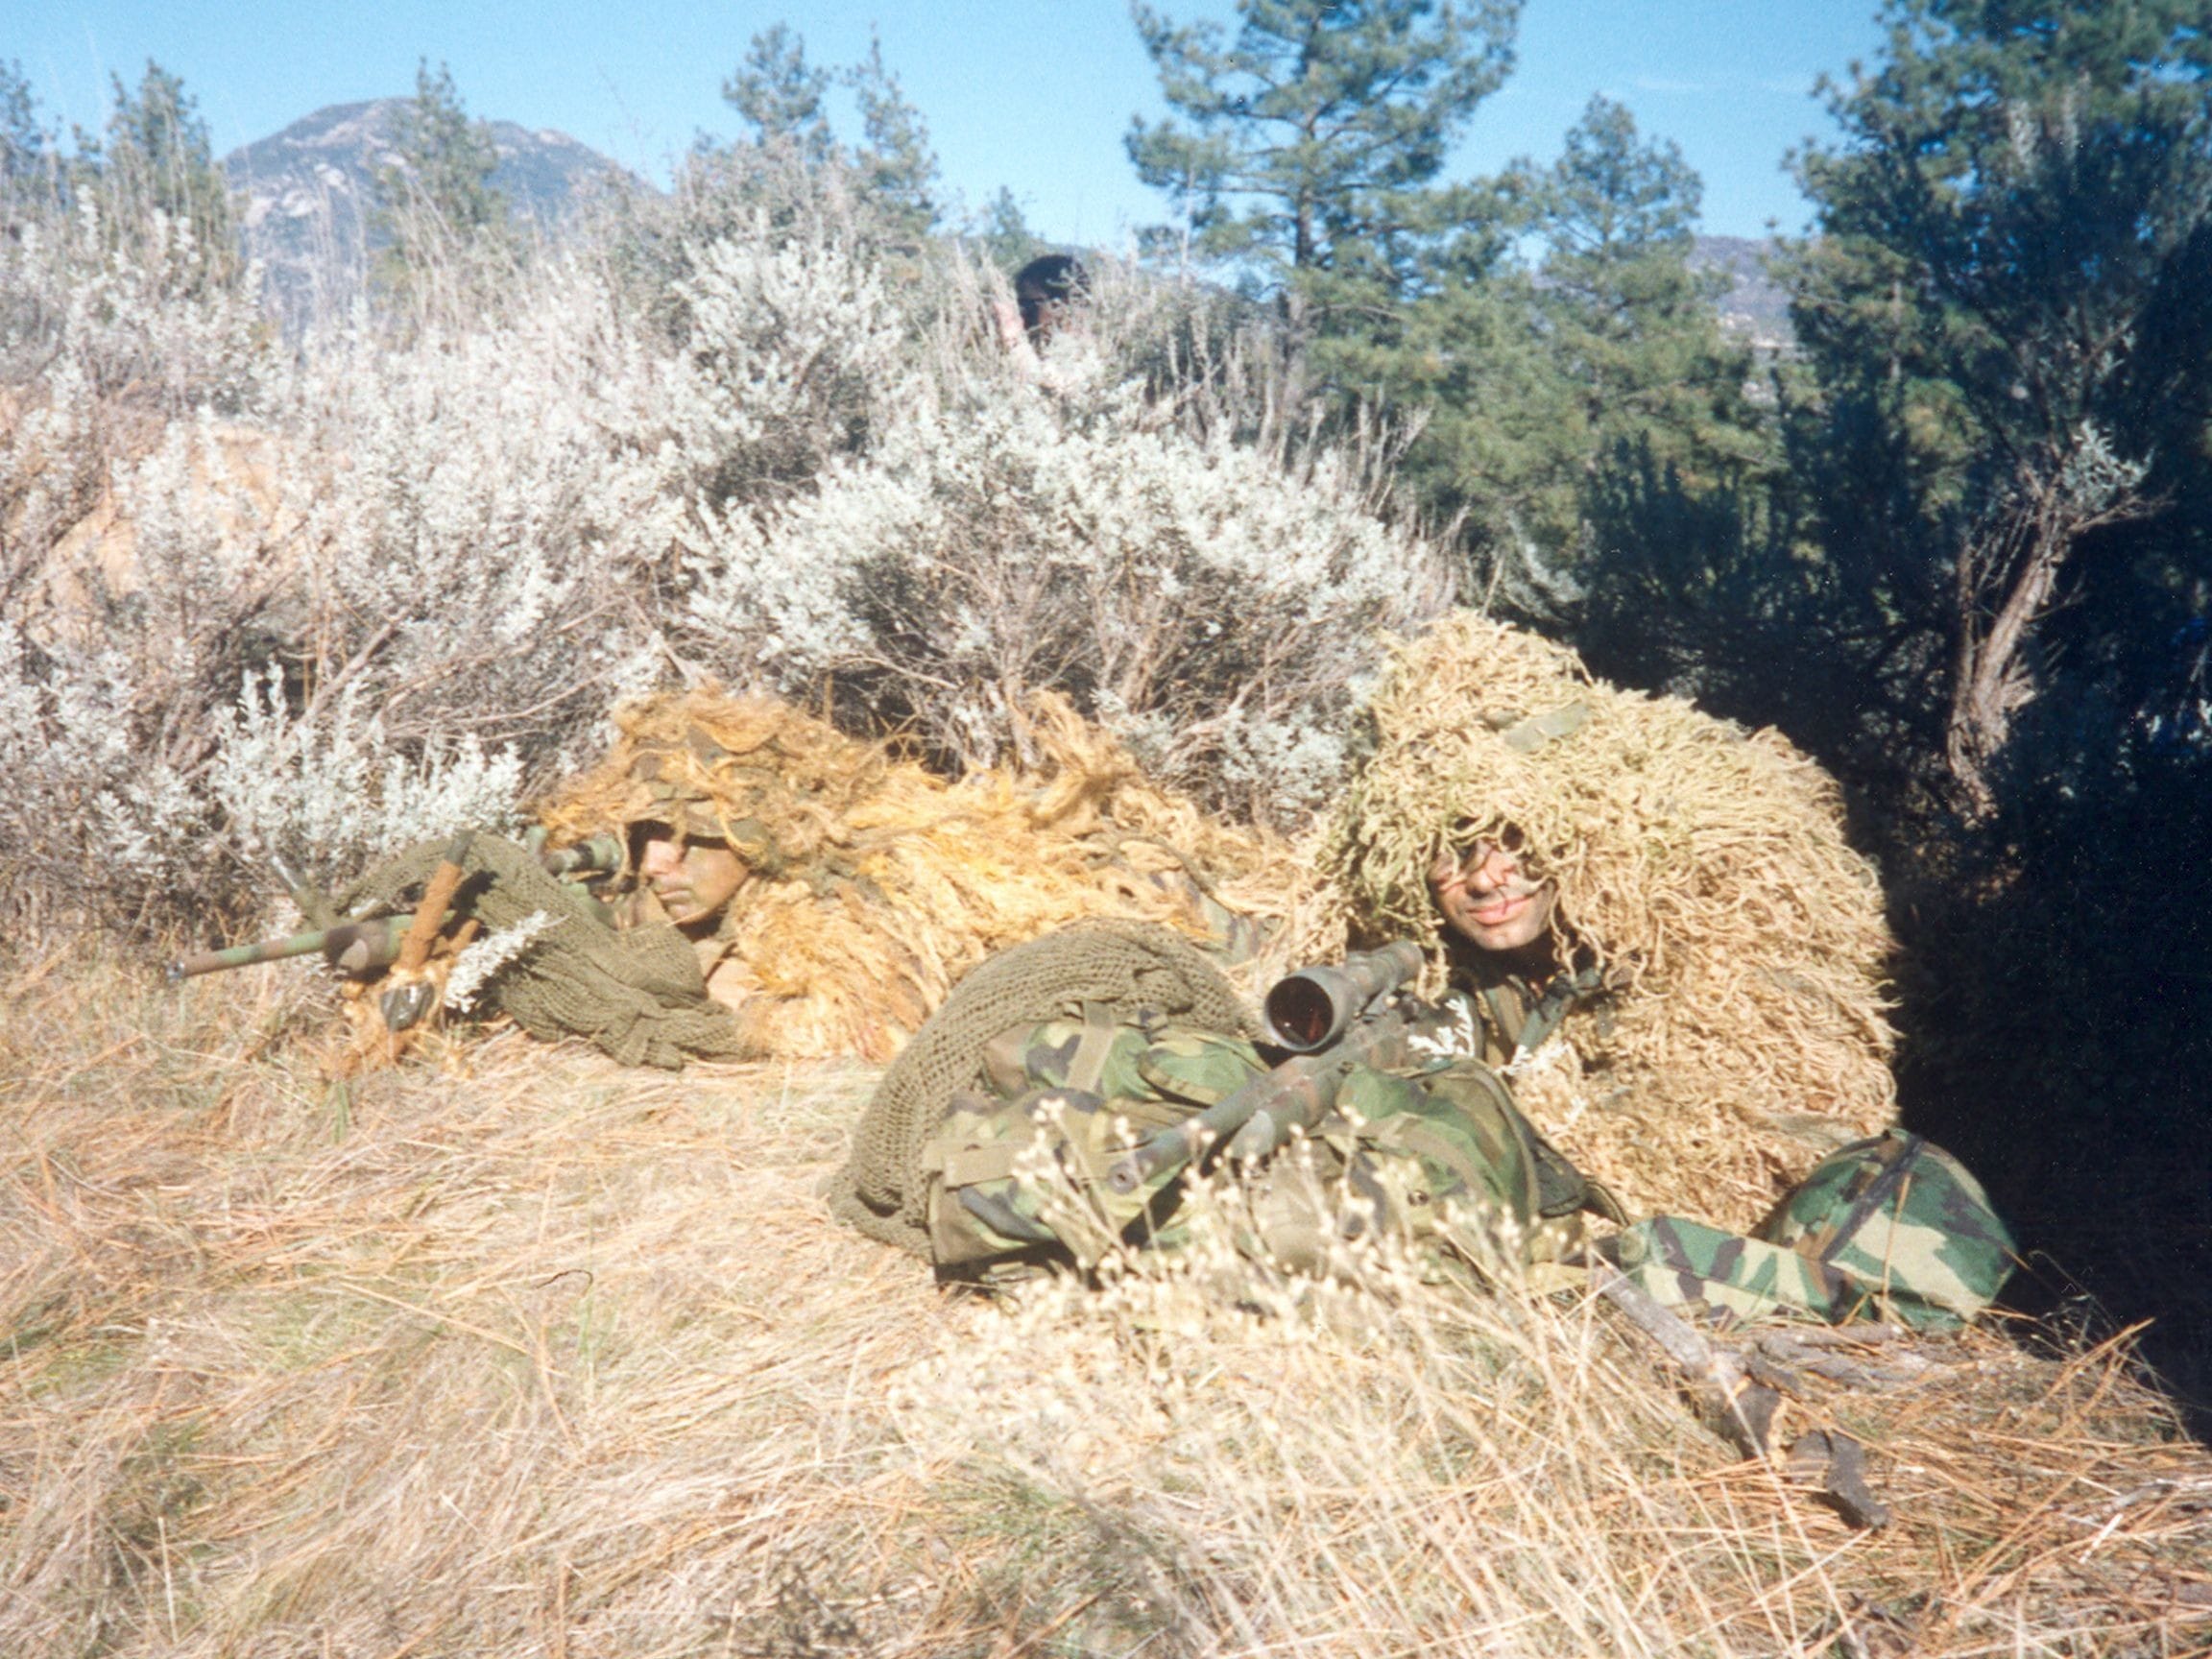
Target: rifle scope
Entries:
(1310, 1009)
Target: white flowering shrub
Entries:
(791, 349)
(325, 790)
(148, 319)
(327, 601)
(423, 588)
(487, 519)
(137, 316)
(99, 348)
(480, 963)
(89, 823)
(1216, 609)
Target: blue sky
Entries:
(1035, 97)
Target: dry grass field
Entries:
(509, 1351)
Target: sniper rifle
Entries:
(364, 946)
(1332, 1019)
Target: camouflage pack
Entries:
(1889, 1228)
(1019, 1164)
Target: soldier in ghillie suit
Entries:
(1645, 922)
(1669, 946)
(762, 886)
(834, 892)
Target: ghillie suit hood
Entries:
(875, 884)
(1702, 869)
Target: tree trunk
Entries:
(2007, 576)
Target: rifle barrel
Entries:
(373, 943)
(361, 945)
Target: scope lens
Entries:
(1299, 1012)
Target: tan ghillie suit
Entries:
(1702, 871)
(875, 884)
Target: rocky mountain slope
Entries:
(1754, 308)
(308, 193)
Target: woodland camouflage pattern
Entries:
(1891, 1228)
(1439, 1156)
(1904, 1221)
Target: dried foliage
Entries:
(875, 884)
(1703, 867)
(522, 1353)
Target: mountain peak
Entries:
(307, 193)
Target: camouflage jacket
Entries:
(1434, 1156)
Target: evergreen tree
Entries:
(881, 191)
(778, 94)
(442, 220)
(2007, 317)
(159, 192)
(1002, 230)
(440, 185)
(2007, 314)
(1306, 151)
(1533, 384)
(28, 164)
(1634, 324)
(897, 167)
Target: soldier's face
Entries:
(1489, 900)
(1041, 315)
(692, 881)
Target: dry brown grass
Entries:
(511, 1351)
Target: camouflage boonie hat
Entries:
(1906, 1223)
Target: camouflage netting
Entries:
(1706, 870)
(637, 994)
(877, 884)
(1125, 966)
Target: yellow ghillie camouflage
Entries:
(1705, 870)
(875, 884)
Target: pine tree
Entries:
(2006, 312)
(1635, 323)
(445, 225)
(881, 191)
(778, 94)
(1306, 152)
(896, 165)
(160, 193)
(29, 168)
